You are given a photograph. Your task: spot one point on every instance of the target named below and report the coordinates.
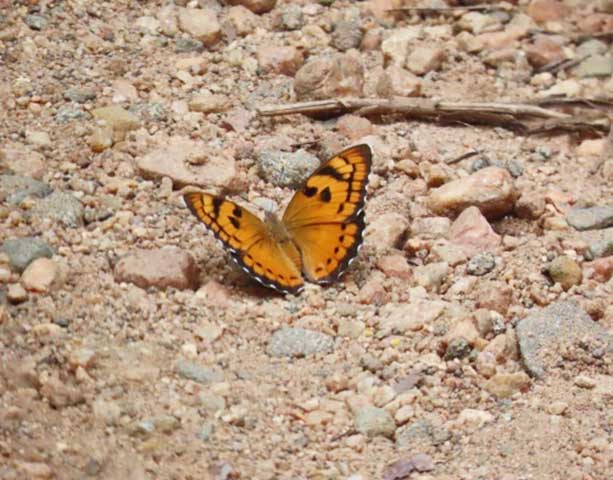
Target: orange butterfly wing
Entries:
(271, 263)
(326, 219)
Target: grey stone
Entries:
(481, 264)
(515, 168)
(542, 333)
(292, 17)
(35, 22)
(14, 188)
(198, 373)
(66, 114)
(603, 248)
(591, 218)
(591, 47)
(285, 169)
(421, 432)
(23, 251)
(79, 95)
(206, 431)
(298, 342)
(186, 45)
(347, 34)
(374, 422)
(595, 66)
(457, 348)
(150, 111)
(62, 207)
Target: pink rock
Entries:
(284, 60)
(430, 227)
(499, 40)
(162, 268)
(256, 6)
(215, 294)
(354, 127)
(473, 233)
(491, 190)
(386, 231)
(547, 10)
(395, 265)
(545, 49)
(171, 161)
(373, 292)
(422, 60)
(396, 81)
(493, 295)
(595, 23)
(330, 76)
(530, 205)
(243, 20)
(600, 269)
(200, 23)
(23, 161)
(39, 275)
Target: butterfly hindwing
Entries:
(248, 240)
(325, 218)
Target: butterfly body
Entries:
(317, 237)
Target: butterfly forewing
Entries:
(248, 240)
(326, 219)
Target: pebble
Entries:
(583, 381)
(101, 139)
(36, 22)
(430, 227)
(286, 169)
(329, 76)
(15, 293)
(15, 188)
(23, 251)
(530, 205)
(395, 48)
(600, 269)
(422, 60)
(67, 114)
(557, 408)
(421, 432)
(35, 470)
(386, 231)
(543, 11)
(22, 161)
(279, 59)
(243, 20)
(107, 411)
(504, 385)
(592, 218)
(473, 233)
(171, 160)
(256, 6)
(61, 207)
(207, 102)
(431, 276)
(291, 18)
(82, 357)
(118, 118)
(206, 431)
(474, 419)
(396, 81)
(374, 422)
(212, 403)
(543, 332)
(38, 138)
(198, 373)
(347, 34)
(491, 190)
(60, 394)
(201, 24)
(188, 45)
(161, 267)
(602, 247)
(595, 66)
(80, 95)
(403, 468)
(481, 264)
(39, 275)
(354, 127)
(298, 342)
(395, 266)
(565, 271)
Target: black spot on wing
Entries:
(325, 195)
(309, 191)
(217, 201)
(237, 212)
(235, 223)
(330, 172)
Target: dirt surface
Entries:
(132, 348)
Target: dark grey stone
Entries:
(542, 333)
(14, 188)
(481, 264)
(35, 22)
(23, 251)
(298, 342)
(62, 207)
(198, 373)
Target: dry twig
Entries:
(452, 10)
(518, 116)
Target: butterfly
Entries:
(315, 240)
